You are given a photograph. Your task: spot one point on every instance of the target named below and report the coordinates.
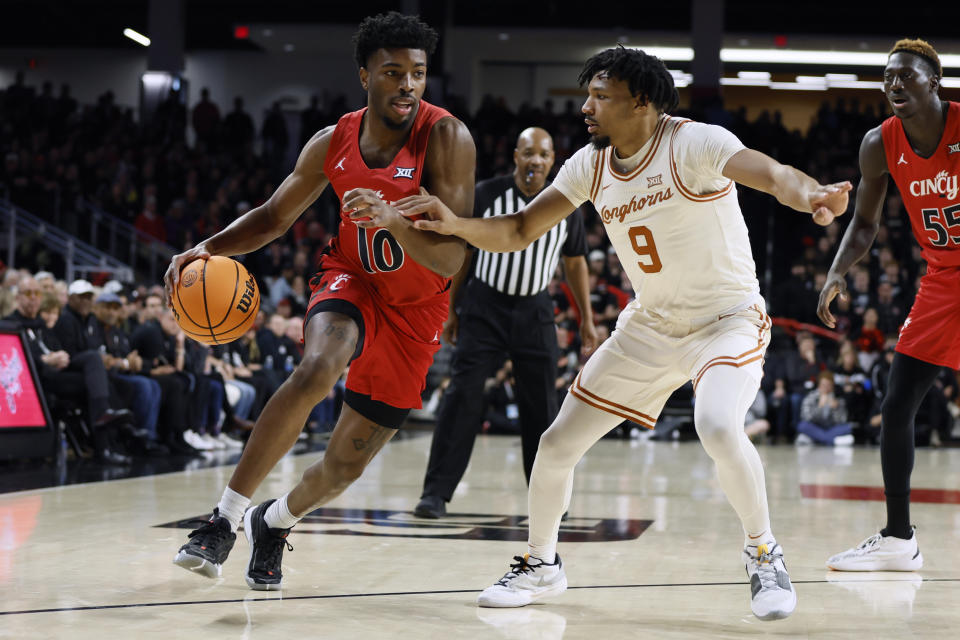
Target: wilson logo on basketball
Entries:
(247, 298)
(189, 278)
(635, 204)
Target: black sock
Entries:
(898, 517)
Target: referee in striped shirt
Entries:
(499, 308)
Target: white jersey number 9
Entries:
(646, 248)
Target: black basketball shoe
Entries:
(266, 549)
(208, 547)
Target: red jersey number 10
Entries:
(380, 253)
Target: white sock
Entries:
(278, 515)
(231, 506)
(547, 553)
(757, 539)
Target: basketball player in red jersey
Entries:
(379, 299)
(920, 148)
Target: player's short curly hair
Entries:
(392, 30)
(645, 75)
(922, 49)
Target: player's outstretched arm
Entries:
(790, 186)
(498, 234)
(863, 228)
(269, 221)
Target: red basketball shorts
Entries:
(931, 331)
(398, 341)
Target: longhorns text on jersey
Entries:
(675, 186)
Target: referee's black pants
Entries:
(494, 326)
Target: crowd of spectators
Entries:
(116, 354)
(57, 153)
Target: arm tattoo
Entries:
(339, 332)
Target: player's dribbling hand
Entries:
(368, 210)
(829, 201)
(440, 220)
(172, 276)
(835, 285)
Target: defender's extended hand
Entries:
(441, 218)
(829, 201)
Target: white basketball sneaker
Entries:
(528, 580)
(880, 553)
(772, 597)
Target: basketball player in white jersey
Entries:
(664, 187)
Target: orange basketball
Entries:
(216, 300)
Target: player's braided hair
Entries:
(922, 49)
(392, 30)
(645, 75)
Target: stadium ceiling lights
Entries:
(791, 56)
(794, 56)
(137, 37)
(804, 56)
(802, 83)
(811, 83)
(680, 78)
(669, 54)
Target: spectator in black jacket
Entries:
(853, 385)
(124, 365)
(279, 352)
(74, 329)
(81, 377)
(164, 362)
(500, 393)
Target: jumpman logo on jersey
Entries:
(340, 164)
(901, 160)
(436, 337)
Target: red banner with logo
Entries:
(19, 397)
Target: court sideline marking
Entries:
(423, 593)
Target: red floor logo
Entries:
(460, 526)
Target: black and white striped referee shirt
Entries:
(526, 272)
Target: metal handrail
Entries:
(80, 257)
(125, 241)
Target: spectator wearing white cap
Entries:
(112, 286)
(79, 376)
